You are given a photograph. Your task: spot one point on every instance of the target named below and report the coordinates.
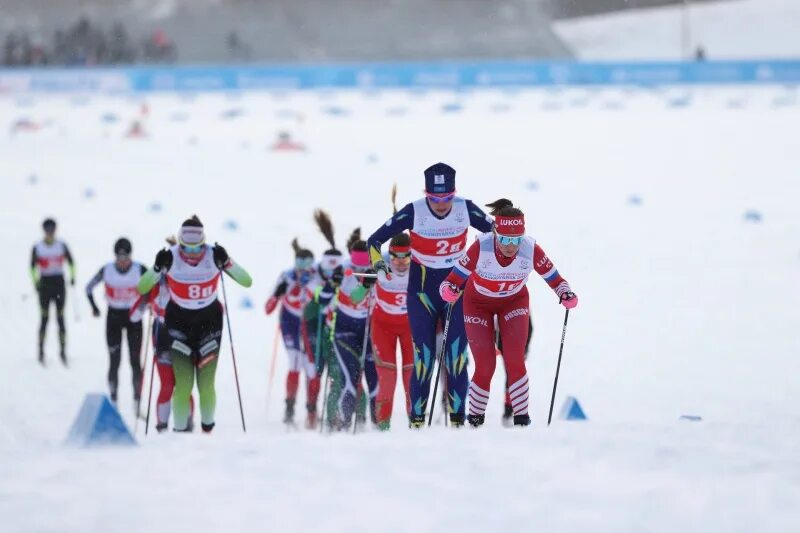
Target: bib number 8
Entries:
(196, 292)
(444, 248)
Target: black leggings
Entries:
(52, 290)
(116, 321)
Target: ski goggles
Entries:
(401, 257)
(440, 199)
(303, 263)
(192, 249)
(505, 240)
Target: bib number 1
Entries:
(506, 287)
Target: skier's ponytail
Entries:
(504, 207)
(354, 242)
(299, 251)
(325, 225)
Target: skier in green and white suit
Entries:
(192, 329)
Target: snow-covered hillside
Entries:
(639, 196)
(735, 29)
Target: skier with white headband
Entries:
(193, 317)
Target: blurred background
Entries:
(119, 32)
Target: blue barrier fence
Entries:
(452, 75)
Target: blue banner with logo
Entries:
(450, 75)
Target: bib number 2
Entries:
(445, 248)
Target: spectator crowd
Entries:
(85, 43)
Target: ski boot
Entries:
(207, 428)
(288, 415)
(311, 417)
(476, 420)
(161, 427)
(508, 416)
(522, 420)
(416, 421)
(63, 352)
(456, 420)
(41, 356)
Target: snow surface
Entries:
(638, 195)
(735, 29)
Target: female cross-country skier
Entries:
(316, 325)
(193, 317)
(389, 327)
(438, 223)
(120, 278)
(495, 270)
(293, 291)
(351, 345)
(47, 272)
(157, 300)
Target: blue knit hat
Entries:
(440, 179)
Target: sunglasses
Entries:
(304, 263)
(192, 249)
(505, 240)
(441, 199)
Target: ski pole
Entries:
(150, 395)
(74, 303)
(233, 352)
(326, 378)
(441, 359)
(360, 372)
(143, 366)
(317, 352)
(272, 364)
(558, 367)
(363, 274)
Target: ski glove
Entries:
(220, 256)
(95, 311)
(338, 275)
(368, 282)
(381, 266)
(163, 260)
(449, 292)
(271, 304)
(569, 300)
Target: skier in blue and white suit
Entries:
(438, 224)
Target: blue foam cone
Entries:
(572, 410)
(99, 424)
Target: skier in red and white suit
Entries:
(389, 327)
(495, 271)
